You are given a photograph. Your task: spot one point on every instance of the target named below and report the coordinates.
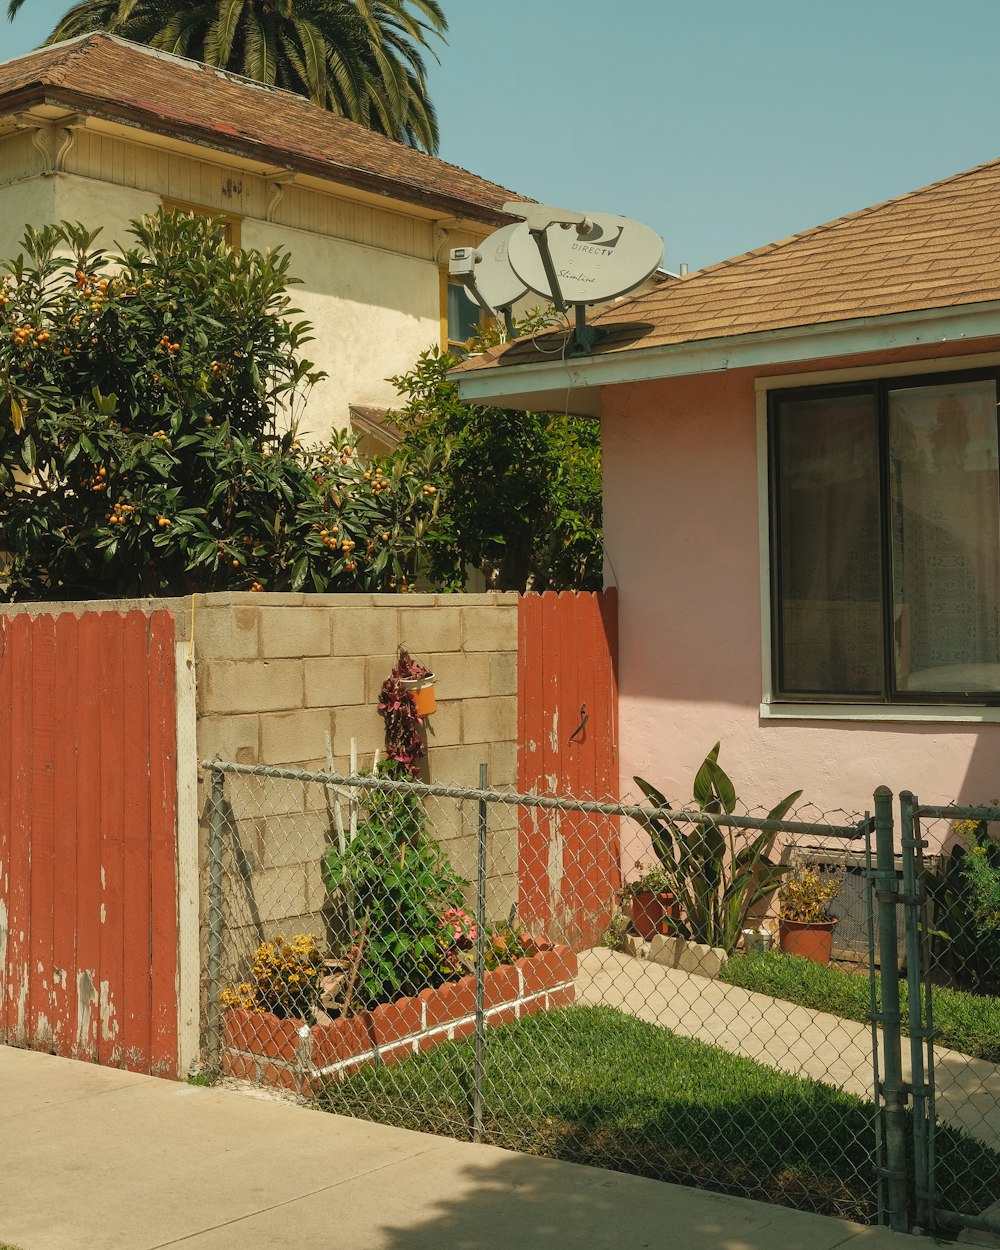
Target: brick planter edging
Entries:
(289, 1054)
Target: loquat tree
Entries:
(142, 399)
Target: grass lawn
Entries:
(966, 1022)
(593, 1085)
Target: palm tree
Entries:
(358, 58)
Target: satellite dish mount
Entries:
(571, 258)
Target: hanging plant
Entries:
(398, 709)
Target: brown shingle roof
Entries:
(114, 78)
(933, 248)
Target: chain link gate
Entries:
(462, 960)
(952, 965)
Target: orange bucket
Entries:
(422, 689)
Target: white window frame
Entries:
(771, 706)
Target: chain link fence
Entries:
(597, 982)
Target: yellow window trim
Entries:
(452, 345)
(231, 223)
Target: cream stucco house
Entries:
(802, 504)
(101, 130)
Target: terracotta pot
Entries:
(422, 689)
(812, 939)
(653, 913)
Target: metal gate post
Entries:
(876, 1036)
(477, 1076)
(894, 1090)
(912, 890)
(213, 1012)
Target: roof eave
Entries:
(574, 384)
(236, 145)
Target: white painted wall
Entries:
(373, 313)
(373, 310)
(21, 204)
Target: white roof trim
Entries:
(769, 347)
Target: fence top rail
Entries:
(545, 802)
(952, 811)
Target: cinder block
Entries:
(298, 839)
(234, 738)
(377, 669)
(503, 672)
(248, 796)
(501, 896)
(450, 818)
(225, 633)
(503, 764)
(280, 895)
(694, 957)
(459, 675)
(362, 723)
(501, 848)
(444, 727)
(489, 629)
(334, 683)
(294, 737)
(294, 631)
(457, 766)
(257, 686)
(364, 631)
(316, 895)
(489, 720)
(422, 631)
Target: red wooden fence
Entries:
(569, 871)
(88, 901)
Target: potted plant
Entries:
(653, 905)
(419, 681)
(805, 926)
(717, 875)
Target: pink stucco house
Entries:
(802, 503)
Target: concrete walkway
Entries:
(782, 1035)
(96, 1159)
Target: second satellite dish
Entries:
(498, 284)
(600, 259)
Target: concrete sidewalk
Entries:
(97, 1159)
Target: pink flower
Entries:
(462, 926)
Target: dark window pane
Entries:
(829, 546)
(463, 315)
(945, 537)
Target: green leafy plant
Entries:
(148, 409)
(965, 910)
(652, 880)
(397, 884)
(716, 879)
(805, 894)
(520, 493)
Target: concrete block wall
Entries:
(277, 673)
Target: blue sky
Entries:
(722, 124)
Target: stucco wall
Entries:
(370, 281)
(681, 531)
(21, 204)
(373, 313)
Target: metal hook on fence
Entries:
(577, 734)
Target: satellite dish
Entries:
(498, 284)
(595, 259)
